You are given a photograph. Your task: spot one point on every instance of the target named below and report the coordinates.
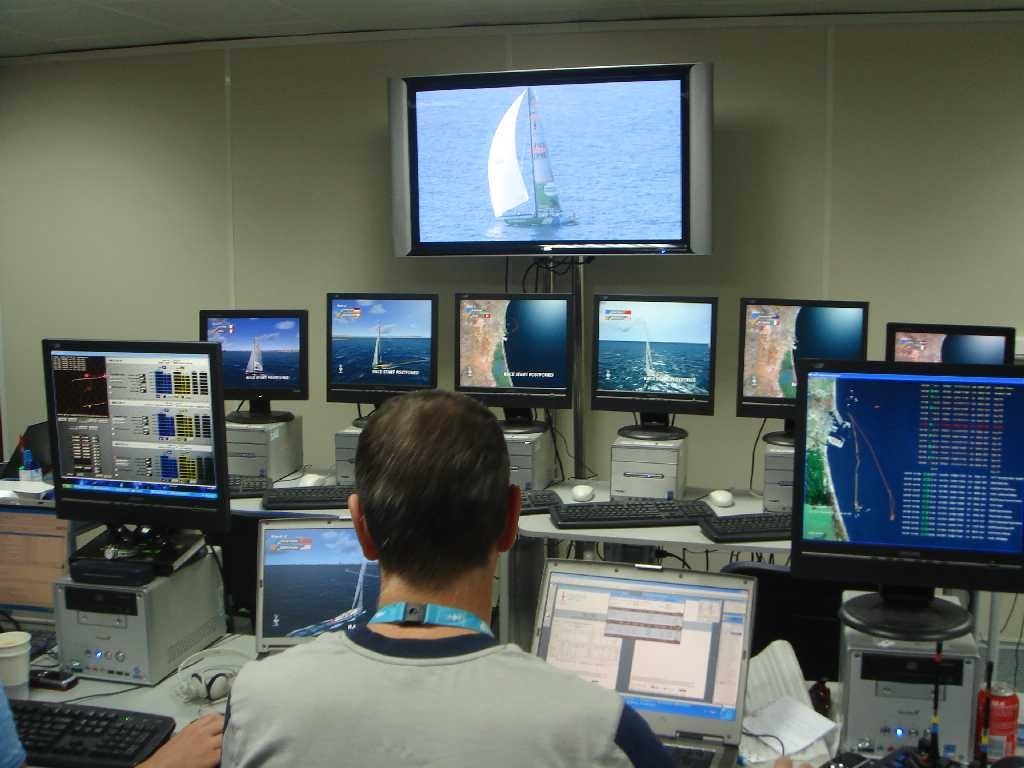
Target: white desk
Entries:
(157, 700)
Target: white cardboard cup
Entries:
(14, 662)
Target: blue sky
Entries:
(330, 547)
(398, 317)
(657, 321)
(235, 333)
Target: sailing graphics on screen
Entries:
(654, 346)
(513, 343)
(258, 352)
(384, 342)
(578, 161)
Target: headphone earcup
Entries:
(196, 688)
(218, 686)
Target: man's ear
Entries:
(513, 504)
(355, 509)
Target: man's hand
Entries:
(785, 762)
(197, 745)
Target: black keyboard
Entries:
(76, 736)
(760, 526)
(248, 486)
(629, 514)
(540, 502)
(308, 497)
(688, 757)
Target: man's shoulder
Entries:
(306, 658)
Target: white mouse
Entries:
(721, 498)
(582, 492)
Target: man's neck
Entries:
(470, 592)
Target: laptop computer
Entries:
(674, 644)
(311, 578)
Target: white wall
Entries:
(857, 160)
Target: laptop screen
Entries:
(314, 580)
(669, 648)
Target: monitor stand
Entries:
(786, 438)
(906, 613)
(653, 426)
(132, 557)
(520, 421)
(259, 413)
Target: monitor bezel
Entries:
(1007, 333)
(651, 402)
(500, 398)
(893, 566)
(696, 118)
(371, 394)
(301, 392)
(121, 509)
(784, 408)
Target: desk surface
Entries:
(540, 526)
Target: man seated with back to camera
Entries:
(435, 507)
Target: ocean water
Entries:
(274, 364)
(831, 333)
(620, 366)
(355, 356)
(614, 149)
(537, 342)
(300, 595)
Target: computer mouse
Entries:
(721, 498)
(8, 497)
(582, 492)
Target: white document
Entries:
(788, 725)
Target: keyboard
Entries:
(308, 497)
(629, 514)
(539, 502)
(248, 486)
(42, 641)
(760, 526)
(75, 736)
(689, 757)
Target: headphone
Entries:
(199, 681)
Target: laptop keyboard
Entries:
(687, 757)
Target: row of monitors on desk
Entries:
(906, 474)
(650, 354)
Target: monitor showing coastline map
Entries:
(657, 349)
(775, 334)
(960, 344)
(512, 344)
(893, 459)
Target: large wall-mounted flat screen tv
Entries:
(600, 160)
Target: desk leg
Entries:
(520, 571)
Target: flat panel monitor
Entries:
(654, 355)
(558, 161)
(138, 432)
(380, 345)
(265, 353)
(955, 344)
(910, 476)
(775, 334)
(514, 351)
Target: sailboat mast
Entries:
(376, 349)
(533, 167)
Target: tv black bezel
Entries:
(651, 402)
(550, 397)
(1007, 333)
(563, 76)
(300, 392)
(154, 511)
(371, 394)
(893, 566)
(784, 408)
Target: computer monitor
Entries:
(911, 477)
(137, 430)
(265, 353)
(380, 345)
(955, 344)
(775, 334)
(654, 355)
(514, 351)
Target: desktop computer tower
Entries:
(271, 450)
(648, 469)
(778, 478)
(139, 634)
(345, 443)
(531, 459)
